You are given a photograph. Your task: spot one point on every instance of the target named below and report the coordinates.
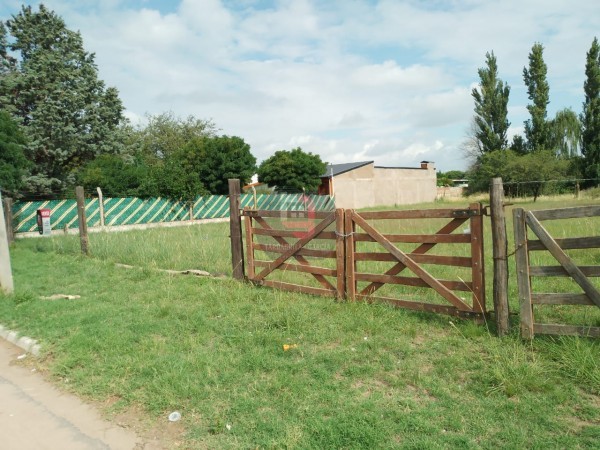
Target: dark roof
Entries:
(338, 169)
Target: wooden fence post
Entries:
(83, 233)
(499, 250)
(8, 219)
(235, 229)
(101, 206)
(6, 279)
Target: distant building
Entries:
(363, 185)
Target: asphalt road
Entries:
(35, 415)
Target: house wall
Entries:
(370, 186)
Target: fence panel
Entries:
(559, 251)
(134, 211)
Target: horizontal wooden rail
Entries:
(411, 281)
(419, 306)
(299, 268)
(455, 261)
(419, 214)
(288, 214)
(560, 271)
(567, 243)
(572, 330)
(298, 288)
(291, 233)
(274, 248)
(418, 238)
(576, 212)
(560, 299)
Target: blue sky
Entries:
(350, 80)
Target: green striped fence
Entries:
(134, 211)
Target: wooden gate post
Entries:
(83, 233)
(235, 229)
(522, 260)
(499, 250)
(6, 279)
(7, 203)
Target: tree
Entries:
(54, 92)
(293, 169)
(165, 134)
(115, 176)
(13, 163)
(537, 128)
(565, 134)
(491, 107)
(226, 157)
(590, 116)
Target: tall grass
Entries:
(358, 376)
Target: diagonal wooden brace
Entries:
(410, 264)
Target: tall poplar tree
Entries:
(590, 116)
(52, 89)
(491, 108)
(537, 128)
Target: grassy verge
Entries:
(361, 376)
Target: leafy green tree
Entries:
(53, 90)
(13, 163)
(115, 176)
(489, 165)
(165, 134)
(537, 128)
(518, 145)
(491, 107)
(590, 116)
(534, 171)
(226, 157)
(565, 133)
(293, 169)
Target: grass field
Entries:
(359, 376)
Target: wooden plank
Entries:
(7, 205)
(464, 238)
(276, 248)
(568, 330)
(349, 229)
(477, 268)
(499, 256)
(299, 268)
(6, 278)
(568, 243)
(83, 231)
(560, 271)
(419, 306)
(439, 213)
(440, 260)
(561, 299)
(563, 258)
(289, 214)
(421, 249)
(411, 281)
(576, 212)
(411, 265)
(298, 288)
(249, 247)
(300, 255)
(340, 251)
(291, 233)
(297, 246)
(522, 261)
(235, 229)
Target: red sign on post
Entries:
(43, 221)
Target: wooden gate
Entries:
(414, 259)
(291, 235)
(330, 247)
(524, 220)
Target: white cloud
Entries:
(386, 80)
